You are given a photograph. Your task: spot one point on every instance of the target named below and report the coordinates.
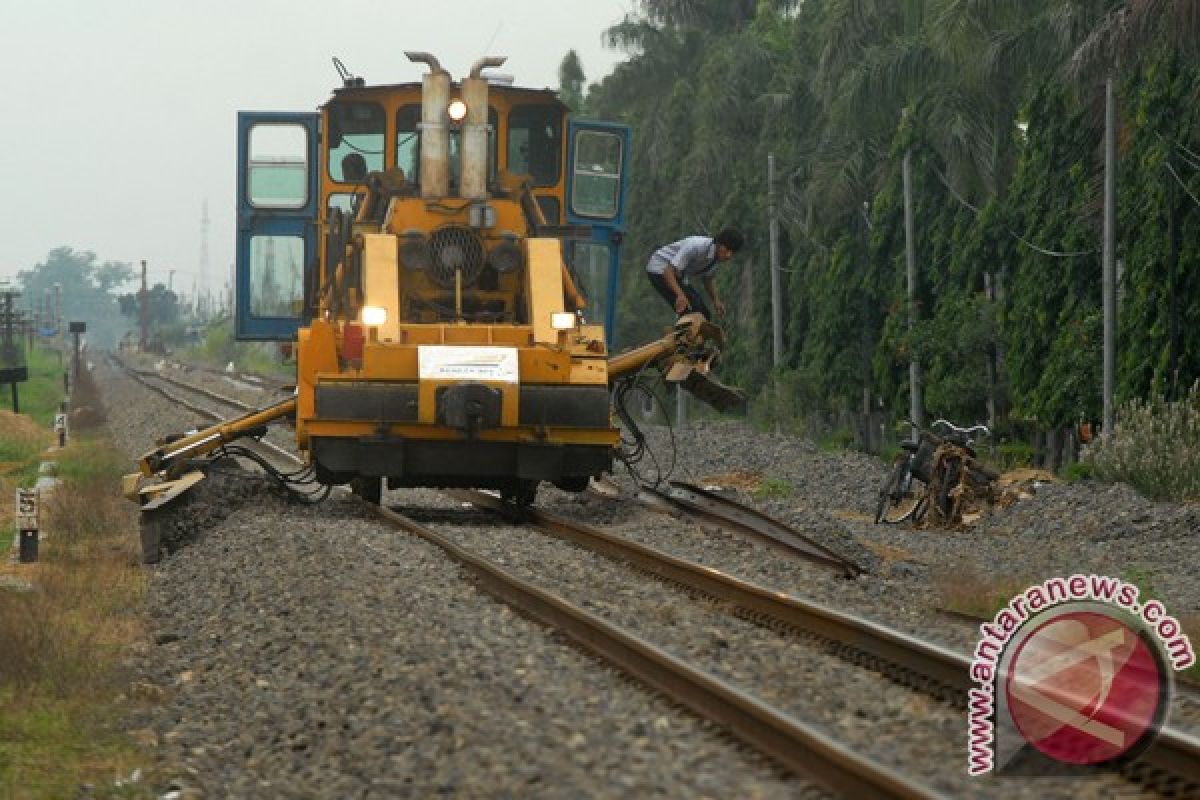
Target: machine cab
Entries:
(302, 179)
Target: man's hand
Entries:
(681, 303)
(719, 307)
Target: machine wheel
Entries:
(522, 493)
(368, 488)
(572, 484)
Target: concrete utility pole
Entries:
(776, 290)
(58, 315)
(144, 311)
(915, 407)
(1109, 265)
(776, 280)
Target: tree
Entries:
(86, 290)
(571, 81)
(162, 306)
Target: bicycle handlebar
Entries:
(962, 431)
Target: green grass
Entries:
(1077, 471)
(770, 488)
(40, 736)
(91, 459)
(1012, 455)
(218, 348)
(41, 396)
(837, 441)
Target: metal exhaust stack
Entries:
(475, 129)
(435, 134)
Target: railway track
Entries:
(1172, 765)
(708, 506)
(175, 390)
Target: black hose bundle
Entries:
(634, 447)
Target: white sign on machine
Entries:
(446, 362)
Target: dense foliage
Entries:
(999, 109)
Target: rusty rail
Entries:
(798, 747)
(905, 653)
(733, 516)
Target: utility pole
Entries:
(776, 280)
(58, 314)
(776, 292)
(202, 268)
(915, 412)
(1109, 266)
(12, 364)
(144, 311)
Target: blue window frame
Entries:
(276, 236)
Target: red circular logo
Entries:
(1084, 688)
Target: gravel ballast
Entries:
(308, 652)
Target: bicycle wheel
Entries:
(901, 496)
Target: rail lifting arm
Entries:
(161, 471)
(685, 356)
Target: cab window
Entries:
(597, 179)
(590, 268)
(278, 170)
(356, 135)
(535, 143)
(276, 275)
(408, 149)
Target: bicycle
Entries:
(934, 471)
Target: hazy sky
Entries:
(119, 117)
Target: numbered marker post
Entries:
(27, 524)
(60, 427)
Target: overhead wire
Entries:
(1011, 232)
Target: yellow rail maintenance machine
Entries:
(432, 251)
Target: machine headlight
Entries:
(414, 254)
(562, 320)
(506, 257)
(374, 315)
(457, 110)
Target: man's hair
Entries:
(730, 238)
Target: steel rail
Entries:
(928, 667)
(798, 747)
(141, 377)
(220, 398)
(910, 655)
(252, 379)
(736, 517)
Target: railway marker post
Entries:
(60, 427)
(27, 524)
